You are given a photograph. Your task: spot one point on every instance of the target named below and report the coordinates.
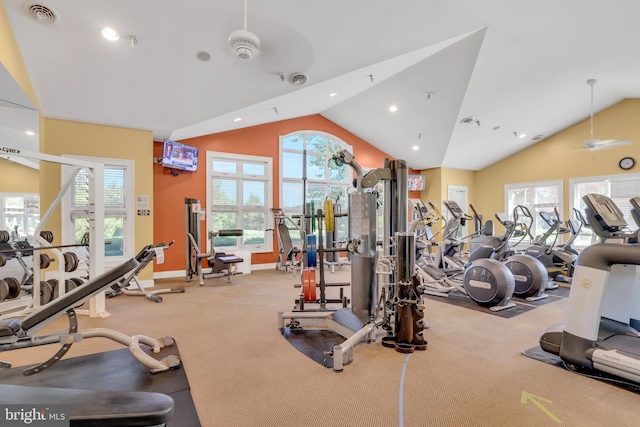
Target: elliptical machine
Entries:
(559, 261)
(529, 274)
(486, 281)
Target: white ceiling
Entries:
(521, 66)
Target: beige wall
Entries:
(15, 178)
(437, 190)
(84, 139)
(560, 157)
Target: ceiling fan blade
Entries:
(595, 144)
(592, 144)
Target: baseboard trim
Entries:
(182, 273)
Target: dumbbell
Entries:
(70, 261)
(14, 287)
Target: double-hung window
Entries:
(537, 197)
(239, 195)
(20, 213)
(620, 188)
(118, 208)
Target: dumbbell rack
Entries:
(17, 294)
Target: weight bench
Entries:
(144, 257)
(18, 333)
(220, 263)
(94, 408)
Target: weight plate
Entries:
(328, 215)
(3, 260)
(14, 287)
(78, 281)
(45, 292)
(70, 261)
(4, 290)
(4, 236)
(53, 283)
(47, 235)
(44, 261)
(69, 286)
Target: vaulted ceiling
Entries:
(510, 67)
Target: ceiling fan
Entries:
(597, 144)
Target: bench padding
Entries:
(9, 327)
(96, 408)
(73, 297)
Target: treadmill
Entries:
(604, 300)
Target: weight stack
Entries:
(362, 224)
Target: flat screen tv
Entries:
(179, 156)
(417, 182)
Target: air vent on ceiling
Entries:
(41, 13)
(298, 79)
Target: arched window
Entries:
(324, 178)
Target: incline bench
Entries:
(87, 407)
(16, 333)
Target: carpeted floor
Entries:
(243, 372)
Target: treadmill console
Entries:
(603, 215)
(551, 221)
(454, 208)
(635, 209)
(425, 210)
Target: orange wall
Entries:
(170, 191)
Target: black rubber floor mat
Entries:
(314, 344)
(553, 295)
(461, 300)
(115, 370)
(540, 355)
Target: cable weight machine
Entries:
(401, 301)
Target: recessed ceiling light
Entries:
(331, 95)
(468, 120)
(110, 34)
(30, 133)
(393, 108)
(496, 127)
(237, 119)
(519, 135)
(537, 137)
(415, 148)
(203, 56)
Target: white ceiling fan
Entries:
(597, 144)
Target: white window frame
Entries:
(128, 242)
(325, 182)
(267, 246)
(25, 215)
(575, 202)
(509, 210)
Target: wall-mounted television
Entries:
(179, 156)
(417, 182)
